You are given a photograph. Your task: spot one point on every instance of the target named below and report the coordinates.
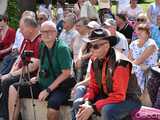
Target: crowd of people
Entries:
(103, 61)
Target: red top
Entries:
(28, 45)
(8, 39)
(120, 84)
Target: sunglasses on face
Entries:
(1, 19)
(40, 19)
(97, 46)
(140, 20)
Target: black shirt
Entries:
(127, 30)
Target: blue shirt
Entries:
(155, 34)
(18, 40)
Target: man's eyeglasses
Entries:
(97, 46)
(140, 20)
(47, 31)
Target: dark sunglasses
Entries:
(97, 46)
(140, 20)
(40, 18)
(1, 19)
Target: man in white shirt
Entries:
(122, 45)
(88, 9)
(69, 34)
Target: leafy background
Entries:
(13, 9)
(13, 13)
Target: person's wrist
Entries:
(87, 102)
(95, 109)
(48, 90)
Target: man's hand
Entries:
(33, 80)
(85, 111)
(43, 95)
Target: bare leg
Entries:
(13, 104)
(52, 114)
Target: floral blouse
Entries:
(136, 52)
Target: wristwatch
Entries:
(48, 90)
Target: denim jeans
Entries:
(7, 63)
(119, 111)
(79, 93)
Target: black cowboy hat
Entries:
(98, 34)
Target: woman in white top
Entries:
(77, 7)
(143, 53)
(122, 4)
(133, 10)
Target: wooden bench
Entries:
(27, 111)
(145, 113)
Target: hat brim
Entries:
(113, 40)
(107, 24)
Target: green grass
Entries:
(146, 4)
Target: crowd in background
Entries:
(69, 55)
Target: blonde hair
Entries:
(144, 27)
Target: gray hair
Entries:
(30, 21)
(29, 13)
(44, 13)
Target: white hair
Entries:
(44, 13)
(49, 23)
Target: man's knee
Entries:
(77, 102)
(107, 113)
(51, 111)
(9, 81)
(5, 84)
(80, 91)
(12, 90)
(52, 114)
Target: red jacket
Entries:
(120, 80)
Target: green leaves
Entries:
(13, 13)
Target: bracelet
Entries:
(48, 90)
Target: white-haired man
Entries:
(31, 33)
(55, 64)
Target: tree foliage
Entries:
(13, 13)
